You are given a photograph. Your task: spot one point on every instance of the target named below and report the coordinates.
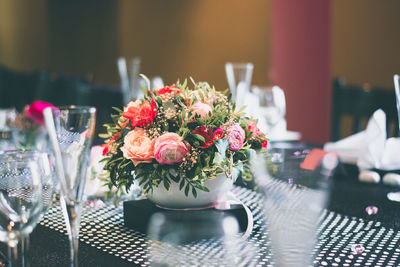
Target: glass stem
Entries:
(13, 256)
(71, 211)
(25, 256)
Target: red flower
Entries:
(218, 133)
(140, 114)
(163, 92)
(109, 146)
(264, 144)
(35, 111)
(208, 135)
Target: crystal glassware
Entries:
(272, 106)
(295, 188)
(48, 183)
(396, 79)
(130, 79)
(21, 201)
(75, 127)
(175, 235)
(239, 80)
(6, 117)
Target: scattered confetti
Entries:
(357, 249)
(371, 210)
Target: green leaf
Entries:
(187, 190)
(251, 153)
(182, 184)
(194, 192)
(236, 170)
(117, 109)
(166, 183)
(147, 82)
(199, 137)
(221, 145)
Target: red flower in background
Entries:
(140, 114)
(35, 111)
(168, 90)
(208, 135)
(264, 143)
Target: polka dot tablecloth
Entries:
(343, 240)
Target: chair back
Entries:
(359, 103)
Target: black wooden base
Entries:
(137, 214)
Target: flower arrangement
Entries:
(28, 127)
(179, 135)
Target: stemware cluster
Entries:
(28, 178)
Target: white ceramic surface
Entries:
(176, 199)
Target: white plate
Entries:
(285, 136)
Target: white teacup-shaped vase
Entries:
(176, 199)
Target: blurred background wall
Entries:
(180, 38)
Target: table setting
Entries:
(189, 175)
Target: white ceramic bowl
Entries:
(176, 199)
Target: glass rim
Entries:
(238, 65)
(88, 109)
(22, 153)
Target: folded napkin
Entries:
(369, 149)
(94, 186)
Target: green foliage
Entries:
(204, 161)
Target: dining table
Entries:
(349, 234)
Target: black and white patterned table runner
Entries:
(103, 228)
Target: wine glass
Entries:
(6, 116)
(74, 127)
(178, 237)
(130, 79)
(21, 201)
(272, 105)
(396, 79)
(239, 79)
(48, 182)
(295, 188)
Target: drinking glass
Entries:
(48, 183)
(179, 237)
(295, 187)
(6, 117)
(396, 79)
(239, 79)
(21, 202)
(130, 79)
(272, 105)
(75, 130)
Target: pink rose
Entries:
(236, 136)
(201, 109)
(35, 111)
(169, 148)
(138, 146)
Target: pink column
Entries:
(301, 64)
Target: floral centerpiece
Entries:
(179, 136)
(28, 127)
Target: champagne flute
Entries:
(21, 202)
(239, 79)
(74, 127)
(175, 234)
(396, 79)
(295, 190)
(272, 105)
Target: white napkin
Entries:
(94, 186)
(369, 148)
